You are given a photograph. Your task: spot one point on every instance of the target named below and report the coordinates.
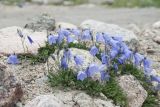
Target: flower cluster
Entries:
(115, 53)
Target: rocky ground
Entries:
(143, 27)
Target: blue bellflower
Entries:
(64, 64)
(106, 38)
(94, 50)
(127, 53)
(30, 39)
(118, 38)
(67, 53)
(86, 35)
(155, 78)
(81, 75)
(60, 38)
(104, 76)
(104, 58)
(75, 32)
(12, 59)
(70, 39)
(92, 69)
(122, 59)
(100, 38)
(52, 39)
(113, 53)
(78, 59)
(115, 66)
(138, 58)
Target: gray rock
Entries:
(156, 25)
(43, 22)
(65, 25)
(134, 28)
(136, 94)
(11, 42)
(157, 39)
(81, 99)
(110, 2)
(48, 1)
(110, 29)
(45, 101)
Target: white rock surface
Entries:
(10, 41)
(136, 94)
(45, 101)
(48, 1)
(76, 99)
(65, 25)
(156, 25)
(111, 29)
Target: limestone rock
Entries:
(65, 25)
(110, 29)
(11, 42)
(81, 99)
(43, 22)
(45, 101)
(136, 94)
(157, 39)
(156, 25)
(48, 1)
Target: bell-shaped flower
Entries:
(122, 59)
(52, 39)
(118, 38)
(106, 38)
(113, 43)
(128, 53)
(60, 38)
(78, 59)
(100, 38)
(113, 53)
(30, 39)
(76, 32)
(146, 63)
(104, 58)
(155, 78)
(86, 35)
(105, 76)
(64, 32)
(64, 63)
(81, 75)
(115, 66)
(67, 53)
(92, 69)
(94, 50)
(138, 58)
(70, 39)
(12, 59)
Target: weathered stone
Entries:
(110, 29)
(157, 39)
(65, 25)
(43, 22)
(136, 94)
(11, 42)
(48, 1)
(156, 25)
(87, 57)
(134, 28)
(45, 101)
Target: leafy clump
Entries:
(42, 56)
(111, 89)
